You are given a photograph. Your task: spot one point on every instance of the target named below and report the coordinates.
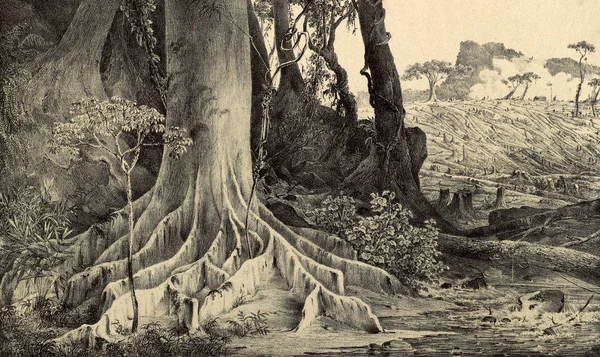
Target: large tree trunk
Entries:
(71, 70)
(391, 164)
(569, 261)
(189, 235)
(261, 75)
(347, 101)
(124, 67)
(291, 79)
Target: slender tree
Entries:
(101, 126)
(435, 71)
(324, 17)
(583, 48)
(595, 84)
(513, 83)
(397, 152)
(527, 78)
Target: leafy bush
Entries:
(385, 239)
(254, 323)
(33, 233)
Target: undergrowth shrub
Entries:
(386, 238)
(34, 233)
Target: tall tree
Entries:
(527, 78)
(583, 48)
(513, 83)
(397, 153)
(435, 71)
(595, 84)
(324, 17)
(189, 233)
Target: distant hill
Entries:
(567, 65)
(478, 57)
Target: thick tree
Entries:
(527, 78)
(583, 48)
(397, 152)
(73, 66)
(595, 84)
(190, 239)
(435, 71)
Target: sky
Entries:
(433, 29)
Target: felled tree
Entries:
(435, 71)
(102, 125)
(513, 83)
(527, 78)
(595, 84)
(583, 48)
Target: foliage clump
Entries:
(34, 233)
(386, 238)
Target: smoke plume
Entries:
(562, 85)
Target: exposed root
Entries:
(355, 273)
(88, 246)
(209, 287)
(223, 253)
(163, 243)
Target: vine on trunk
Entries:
(139, 15)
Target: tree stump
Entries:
(444, 198)
(500, 198)
(461, 206)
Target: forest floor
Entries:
(520, 146)
(544, 159)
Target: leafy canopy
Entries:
(434, 70)
(101, 125)
(583, 47)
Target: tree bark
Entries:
(500, 198)
(71, 70)
(261, 75)
(124, 66)
(577, 264)
(191, 238)
(290, 79)
(134, 302)
(444, 197)
(390, 163)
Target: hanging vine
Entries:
(294, 38)
(138, 14)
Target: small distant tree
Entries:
(583, 48)
(595, 84)
(527, 78)
(549, 85)
(435, 71)
(102, 125)
(513, 83)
